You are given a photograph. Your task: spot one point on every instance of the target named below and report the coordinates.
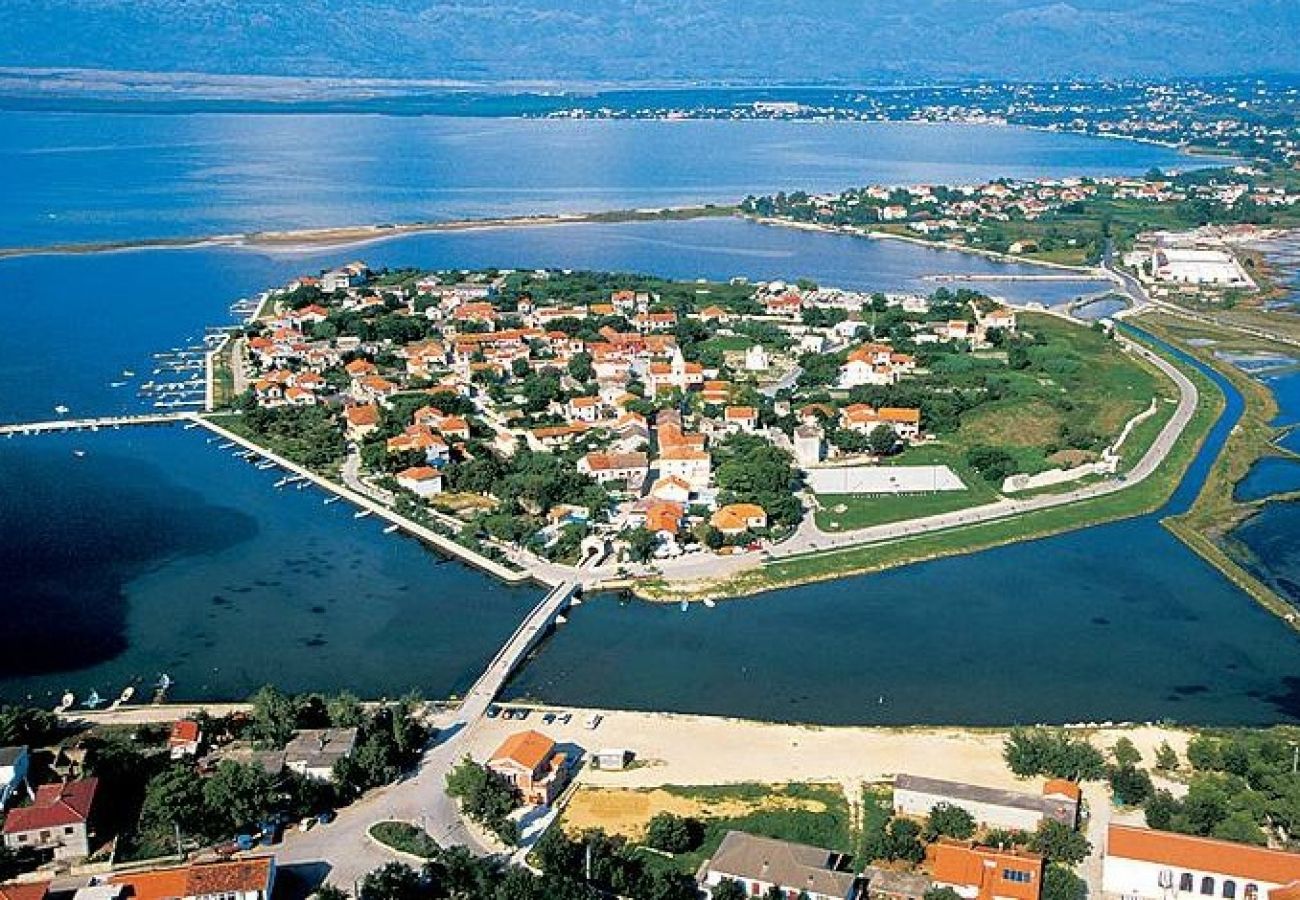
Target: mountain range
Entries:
(788, 41)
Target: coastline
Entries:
(341, 236)
(1086, 273)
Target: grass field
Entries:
(1106, 387)
(1135, 500)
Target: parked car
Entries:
(566, 718)
(548, 718)
(493, 711)
(307, 824)
(326, 817)
(593, 721)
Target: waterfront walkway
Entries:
(93, 424)
(372, 506)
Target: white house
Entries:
(423, 481)
(740, 418)
(344, 277)
(1143, 864)
(630, 468)
(759, 863)
(314, 751)
(809, 447)
(756, 359)
(688, 464)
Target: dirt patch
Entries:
(1070, 457)
(626, 811)
(1033, 423)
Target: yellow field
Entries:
(626, 811)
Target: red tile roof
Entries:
(186, 731)
(1205, 854)
(33, 891)
(528, 749)
(55, 806)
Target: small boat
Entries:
(391, 528)
(94, 700)
(61, 409)
(710, 603)
(334, 498)
(282, 482)
(301, 485)
(67, 700)
(78, 453)
(127, 373)
(266, 465)
(127, 693)
(685, 605)
(164, 682)
(560, 620)
(361, 514)
(116, 384)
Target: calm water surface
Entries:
(88, 177)
(1117, 622)
(157, 552)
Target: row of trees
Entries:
(1244, 787)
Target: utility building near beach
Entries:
(991, 807)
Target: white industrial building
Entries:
(916, 796)
(1143, 864)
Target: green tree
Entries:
(641, 543)
(1060, 843)
(948, 820)
(392, 881)
(673, 834)
(174, 799)
(275, 716)
(239, 795)
(1059, 883)
(27, 726)
(1045, 751)
(903, 841)
(941, 893)
(729, 889)
(580, 367)
(1166, 757)
(1131, 786)
(485, 797)
(1125, 753)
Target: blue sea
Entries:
(155, 551)
(77, 177)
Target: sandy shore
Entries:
(676, 749)
(310, 239)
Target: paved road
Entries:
(422, 798)
(811, 538)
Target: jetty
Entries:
(267, 459)
(367, 507)
(94, 424)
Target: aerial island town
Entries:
(731, 484)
